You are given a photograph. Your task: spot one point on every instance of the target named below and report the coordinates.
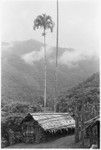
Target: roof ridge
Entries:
(48, 113)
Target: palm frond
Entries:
(43, 21)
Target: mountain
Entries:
(23, 70)
(87, 92)
(92, 82)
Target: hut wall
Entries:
(32, 132)
(94, 133)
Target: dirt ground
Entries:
(63, 142)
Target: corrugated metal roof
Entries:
(54, 121)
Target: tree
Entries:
(45, 22)
(84, 104)
(57, 41)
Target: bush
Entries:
(4, 143)
(11, 130)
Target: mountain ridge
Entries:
(24, 82)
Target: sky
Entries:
(78, 22)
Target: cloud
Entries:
(35, 56)
(5, 46)
(72, 58)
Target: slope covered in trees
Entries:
(24, 82)
(85, 94)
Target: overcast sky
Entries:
(78, 22)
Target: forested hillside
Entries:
(81, 99)
(23, 72)
(85, 95)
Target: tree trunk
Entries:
(82, 125)
(76, 130)
(56, 58)
(82, 135)
(76, 125)
(45, 64)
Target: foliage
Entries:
(62, 106)
(24, 82)
(12, 115)
(4, 142)
(11, 129)
(86, 93)
(43, 21)
(22, 108)
(83, 102)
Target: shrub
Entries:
(11, 130)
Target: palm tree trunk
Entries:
(45, 64)
(56, 57)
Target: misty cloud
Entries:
(72, 58)
(35, 56)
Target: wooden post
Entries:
(76, 125)
(98, 134)
(91, 137)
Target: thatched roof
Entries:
(54, 121)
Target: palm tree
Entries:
(57, 43)
(45, 22)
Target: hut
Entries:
(35, 125)
(93, 130)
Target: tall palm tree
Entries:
(45, 22)
(57, 43)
